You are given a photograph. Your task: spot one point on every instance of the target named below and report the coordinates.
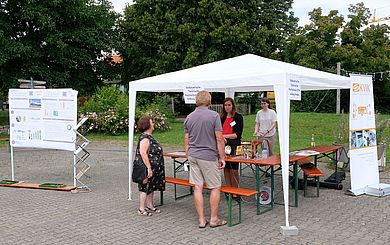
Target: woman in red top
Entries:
(232, 125)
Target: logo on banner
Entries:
(359, 88)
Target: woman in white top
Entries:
(265, 128)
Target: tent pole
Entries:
(12, 164)
(338, 91)
(283, 117)
(132, 104)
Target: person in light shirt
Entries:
(265, 127)
(204, 146)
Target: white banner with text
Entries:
(362, 135)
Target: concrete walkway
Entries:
(105, 216)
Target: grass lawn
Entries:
(324, 126)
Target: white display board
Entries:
(43, 118)
(363, 146)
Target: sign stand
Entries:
(80, 165)
(363, 140)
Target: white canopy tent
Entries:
(244, 73)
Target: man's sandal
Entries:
(220, 222)
(203, 226)
(144, 213)
(154, 210)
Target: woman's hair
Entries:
(266, 100)
(144, 123)
(224, 113)
(203, 98)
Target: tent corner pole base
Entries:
(289, 230)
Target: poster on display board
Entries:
(363, 146)
(43, 118)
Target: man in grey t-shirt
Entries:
(204, 145)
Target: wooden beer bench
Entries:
(310, 171)
(229, 191)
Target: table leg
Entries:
(174, 175)
(258, 188)
(272, 185)
(296, 184)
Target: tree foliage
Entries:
(359, 47)
(164, 35)
(59, 41)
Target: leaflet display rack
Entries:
(81, 154)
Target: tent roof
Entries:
(241, 74)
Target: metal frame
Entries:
(80, 164)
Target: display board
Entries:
(43, 118)
(363, 146)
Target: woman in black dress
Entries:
(151, 152)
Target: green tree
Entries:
(162, 36)
(314, 43)
(358, 47)
(59, 41)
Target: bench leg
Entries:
(230, 210)
(229, 203)
(161, 198)
(316, 180)
(191, 192)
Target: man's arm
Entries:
(220, 147)
(186, 142)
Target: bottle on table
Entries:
(312, 143)
(264, 152)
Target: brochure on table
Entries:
(43, 118)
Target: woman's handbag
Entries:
(140, 172)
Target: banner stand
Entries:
(363, 140)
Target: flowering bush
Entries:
(108, 111)
(106, 122)
(159, 120)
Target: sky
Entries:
(302, 7)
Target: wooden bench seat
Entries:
(4, 139)
(238, 191)
(228, 190)
(178, 181)
(311, 172)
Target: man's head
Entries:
(203, 98)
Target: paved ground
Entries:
(105, 216)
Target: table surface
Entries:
(272, 160)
